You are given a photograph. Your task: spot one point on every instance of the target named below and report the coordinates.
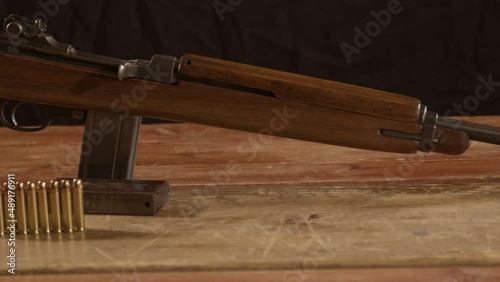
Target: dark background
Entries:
(432, 50)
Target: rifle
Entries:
(39, 69)
(112, 95)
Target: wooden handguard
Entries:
(304, 89)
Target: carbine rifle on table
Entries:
(39, 69)
(112, 94)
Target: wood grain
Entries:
(280, 205)
(261, 228)
(303, 89)
(187, 154)
(47, 83)
(451, 142)
(463, 274)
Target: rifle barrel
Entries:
(478, 132)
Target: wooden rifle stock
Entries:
(300, 107)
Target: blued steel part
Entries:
(11, 122)
(475, 131)
(40, 41)
(66, 209)
(43, 207)
(3, 215)
(9, 108)
(18, 25)
(114, 156)
(427, 142)
(160, 69)
(401, 135)
(78, 212)
(27, 34)
(32, 208)
(422, 113)
(124, 197)
(22, 224)
(55, 207)
(5, 201)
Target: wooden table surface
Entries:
(247, 207)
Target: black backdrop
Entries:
(432, 50)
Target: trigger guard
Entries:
(12, 124)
